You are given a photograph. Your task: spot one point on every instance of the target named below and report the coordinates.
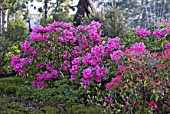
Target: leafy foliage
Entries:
(10, 42)
(112, 21)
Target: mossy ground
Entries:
(18, 97)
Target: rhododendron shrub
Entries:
(154, 40)
(60, 47)
(141, 83)
(44, 54)
(118, 78)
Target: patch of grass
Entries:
(17, 96)
(8, 106)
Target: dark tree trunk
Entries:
(45, 12)
(82, 9)
(57, 4)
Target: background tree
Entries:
(82, 9)
(144, 13)
(4, 6)
(112, 20)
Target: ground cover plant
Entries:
(117, 76)
(17, 96)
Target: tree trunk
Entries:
(57, 4)
(46, 11)
(0, 22)
(82, 9)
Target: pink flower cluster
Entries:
(75, 65)
(74, 69)
(50, 67)
(167, 29)
(116, 55)
(113, 83)
(100, 73)
(18, 64)
(87, 76)
(76, 61)
(48, 76)
(66, 54)
(108, 99)
(113, 44)
(77, 51)
(66, 65)
(67, 37)
(97, 50)
(143, 32)
(90, 59)
(37, 36)
(92, 30)
(159, 34)
(97, 73)
(167, 46)
(138, 48)
(84, 41)
(39, 84)
(95, 37)
(26, 47)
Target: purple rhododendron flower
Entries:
(40, 77)
(116, 55)
(87, 73)
(108, 99)
(142, 32)
(95, 37)
(25, 45)
(100, 73)
(138, 48)
(167, 46)
(159, 34)
(76, 61)
(55, 73)
(38, 28)
(167, 29)
(84, 42)
(66, 65)
(41, 84)
(48, 28)
(57, 23)
(49, 66)
(46, 75)
(34, 53)
(34, 83)
(86, 59)
(74, 69)
(85, 82)
(97, 50)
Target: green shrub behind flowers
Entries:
(115, 77)
(10, 41)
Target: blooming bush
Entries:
(121, 78)
(154, 40)
(141, 83)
